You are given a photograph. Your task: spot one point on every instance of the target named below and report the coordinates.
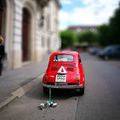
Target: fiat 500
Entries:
(65, 71)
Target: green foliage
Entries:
(68, 38)
(109, 34)
(87, 37)
(115, 27)
(105, 35)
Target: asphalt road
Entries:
(102, 96)
(101, 100)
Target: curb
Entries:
(21, 91)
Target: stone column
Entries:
(39, 51)
(17, 34)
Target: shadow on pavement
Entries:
(38, 93)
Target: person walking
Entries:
(2, 54)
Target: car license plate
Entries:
(60, 78)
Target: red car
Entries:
(65, 71)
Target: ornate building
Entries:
(30, 29)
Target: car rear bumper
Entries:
(62, 86)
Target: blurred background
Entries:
(91, 26)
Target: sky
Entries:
(86, 12)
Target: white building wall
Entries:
(17, 34)
(42, 39)
(55, 40)
(9, 33)
(38, 39)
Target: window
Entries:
(63, 58)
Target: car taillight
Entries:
(46, 77)
(82, 82)
(78, 77)
(52, 76)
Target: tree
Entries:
(68, 38)
(87, 37)
(109, 34)
(103, 35)
(115, 27)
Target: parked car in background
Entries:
(65, 71)
(94, 50)
(110, 52)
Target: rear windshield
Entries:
(63, 58)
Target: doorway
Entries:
(26, 26)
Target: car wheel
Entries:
(80, 91)
(106, 57)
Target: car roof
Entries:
(65, 52)
(113, 46)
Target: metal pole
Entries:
(50, 95)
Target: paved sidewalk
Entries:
(12, 80)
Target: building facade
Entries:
(30, 29)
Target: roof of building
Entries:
(82, 27)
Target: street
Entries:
(101, 100)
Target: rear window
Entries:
(63, 58)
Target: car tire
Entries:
(80, 91)
(106, 58)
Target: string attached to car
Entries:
(49, 102)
